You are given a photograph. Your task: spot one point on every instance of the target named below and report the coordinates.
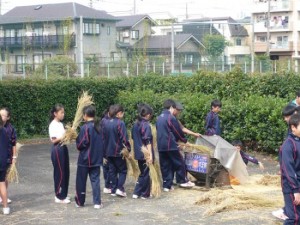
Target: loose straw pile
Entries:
(228, 200)
(71, 134)
(154, 172)
(268, 179)
(188, 147)
(132, 166)
(13, 174)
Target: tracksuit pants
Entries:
(142, 187)
(171, 162)
(81, 178)
(61, 173)
(117, 172)
(291, 211)
(106, 175)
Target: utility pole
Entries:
(268, 27)
(252, 46)
(134, 7)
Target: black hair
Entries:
(89, 111)
(237, 143)
(115, 109)
(288, 110)
(169, 103)
(298, 93)
(297, 110)
(1, 123)
(8, 113)
(105, 113)
(216, 103)
(57, 107)
(294, 120)
(144, 110)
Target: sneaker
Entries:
(106, 190)
(6, 211)
(64, 201)
(8, 201)
(78, 206)
(188, 184)
(168, 189)
(113, 194)
(98, 206)
(121, 193)
(135, 196)
(279, 214)
(145, 198)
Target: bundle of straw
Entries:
(220, 201)
(132, 166)
(71, 134)
(154, 174)
(13, 174)
(188, 147)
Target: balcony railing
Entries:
(274, 47)
(46, 41)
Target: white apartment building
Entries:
(278, 19)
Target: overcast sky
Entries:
(177, 8)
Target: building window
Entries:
(188, 59)
(20, 61)
(108, 30)
(38, 59)
(135, 34)
(282, 41)
(238, 42)
(91, 28)
(261, 38)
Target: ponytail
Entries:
(54, 110)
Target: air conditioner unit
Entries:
(125, 34)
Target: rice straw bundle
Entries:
(154, 136)
(188, 147)
(13, 174)
(268, 179)
(71, 134)
(132, 166)
(228, 200)
(154, 174)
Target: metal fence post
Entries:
(127, 69)
(260, 66)
(108, 73)
(24, 72)
(198, 66)
(289, 65)
(68, 70)
(153, 67)
(146, 68)
(245, 67)
(1, 72)
(46, 71)
(275, 69)
(163, 68)
(88, 69)
(137, 68)
(230, 67)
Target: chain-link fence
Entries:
(126, 69)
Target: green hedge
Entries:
(251, 104)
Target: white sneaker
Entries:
(98, 206)
(106, 190)
(6, 211)
(64, 201)
(8, 201)
(279, 214)
(168, 189)
(135, 196)
(121, 193)
(188, 184)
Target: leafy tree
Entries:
(214, 45)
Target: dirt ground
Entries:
(33, 199)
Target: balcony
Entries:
(238, 50)
(275, 6)
(274, 27)
(274, 47)
(49, 41)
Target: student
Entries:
(4, 154)
(289, 157)
(12, 136)
(246, 158)
(91, 151)
(59, 155)
(212, 121)
(142, 136)
(170, 159)
(117, 139)
(177, 111)
(296, 101)
(107, 181)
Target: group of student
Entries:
(8, 155)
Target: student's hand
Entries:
(149, 161)
(197, 135)
(105, 161)
(261, 165)
(297, 198)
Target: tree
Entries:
(214, 45)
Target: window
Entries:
(238, 42)
(188, 59)
(282, 41)
(38, 59)
(20, 61)
(135, 34)
(261, 38)
(108, 30)
(91, 28)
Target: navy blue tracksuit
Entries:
(170, 159)
(142, 136)
(12, 136)
(4, 153)
(117, 139)
(91, 151)
(290, 177)
(212, 124)
(246, 158)
(105, 166)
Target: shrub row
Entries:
(251, 111)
